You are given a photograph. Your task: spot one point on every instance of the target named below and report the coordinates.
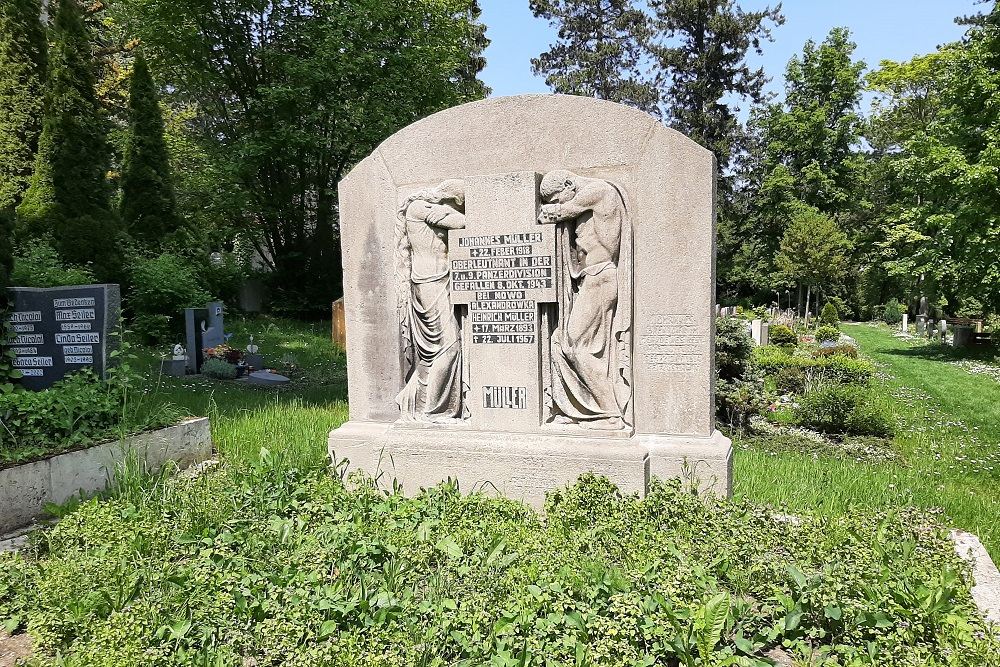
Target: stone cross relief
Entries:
(515, 302)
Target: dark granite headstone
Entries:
(59, 330)
(204, 329)
(195, 320)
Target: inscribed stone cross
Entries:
(503, 267)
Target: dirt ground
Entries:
(13, 650)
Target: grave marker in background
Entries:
(59, 330)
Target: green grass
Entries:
(949, 442)
(270, 559)
(287, 421)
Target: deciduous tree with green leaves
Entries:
(148, 205)
(291, 95)
(22, 72)
(69, 195)
(599, 52)
(804, 151)
(942, 214)
(813, 252)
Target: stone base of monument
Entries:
(523, 466)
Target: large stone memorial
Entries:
(59, 330)
(529, 296)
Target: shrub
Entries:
(77, 410)
(781, 334)
(218, 369)
(827, 334)
(162, 287)
(836, 351)
(892, 312)
(829, 315)
(38, 265)
(736, 401)
(791, 379)
(835, 368)
(733, 347)
(846, 410)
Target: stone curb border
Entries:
(26, 489)
(986, 577)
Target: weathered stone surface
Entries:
(522, 466)
(25, 489)
(986, 586)
(602, 342)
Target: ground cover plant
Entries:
(271, 560)
(78, 411)
(945, 451)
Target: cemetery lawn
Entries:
(269, 559)
(947, 403)
(290, 422)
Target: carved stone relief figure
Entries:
(591, 346)
(429, 325)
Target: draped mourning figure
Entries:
(430, 328)
(591, 346)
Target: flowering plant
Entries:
(224, 352)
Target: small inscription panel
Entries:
(59, 330)
(509, 398)
(673, 343)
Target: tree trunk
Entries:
(808, 294)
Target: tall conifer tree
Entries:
(599, 51)
(148, 208)
(22, 72)
(69, 194)
(702, 47)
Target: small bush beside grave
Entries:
(783, 335)
(844, 410)
(827, 334)
(892, 312)
(829, 315)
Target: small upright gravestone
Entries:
(204, 329)
(759, 331)
(905, 325)
(58, 330)
(529, 296)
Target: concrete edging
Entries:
(26, 489)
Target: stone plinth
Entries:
(529, 295)
(524, 466)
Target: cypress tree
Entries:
(148, 207)
(6, 252)
(22, 71)
(69, 195)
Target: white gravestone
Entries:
(905, 326)
(529, 296)
(759, 332)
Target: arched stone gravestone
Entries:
(529, 295)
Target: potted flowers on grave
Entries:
(223, 362)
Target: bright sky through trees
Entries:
(893, 29)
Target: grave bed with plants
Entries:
(77, 412)
(272, 561)
(269, 559)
